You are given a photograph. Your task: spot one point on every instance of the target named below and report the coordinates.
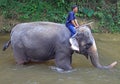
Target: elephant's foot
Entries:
(60, 70)
(21, 62)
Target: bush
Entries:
(5, 29)
(32, 10)
(107, 12)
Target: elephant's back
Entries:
(41, 27)
(35, 32)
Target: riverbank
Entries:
(6, 25)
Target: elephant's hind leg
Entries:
(20, 57)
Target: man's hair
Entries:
(74, 6)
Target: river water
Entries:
(39, 73)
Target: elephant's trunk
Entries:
(92, 52)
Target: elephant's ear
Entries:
(74, 44)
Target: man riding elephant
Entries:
(72, 24)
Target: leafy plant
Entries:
(106, 12)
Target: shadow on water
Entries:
(40, 73)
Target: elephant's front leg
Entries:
(63, 61)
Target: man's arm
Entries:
(75, 23)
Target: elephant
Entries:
(43, 41)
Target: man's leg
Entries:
(72, 29)
(72, 40)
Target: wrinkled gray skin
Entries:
(42, 41)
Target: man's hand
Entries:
(77, 26)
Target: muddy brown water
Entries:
(39, 73)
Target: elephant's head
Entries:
(87, 47)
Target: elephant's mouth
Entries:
(84, 50)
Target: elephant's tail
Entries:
(6, 45)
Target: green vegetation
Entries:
(105, 12)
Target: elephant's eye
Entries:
(87, 46)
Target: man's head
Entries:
(75, 8)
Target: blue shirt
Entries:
(71, 16)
